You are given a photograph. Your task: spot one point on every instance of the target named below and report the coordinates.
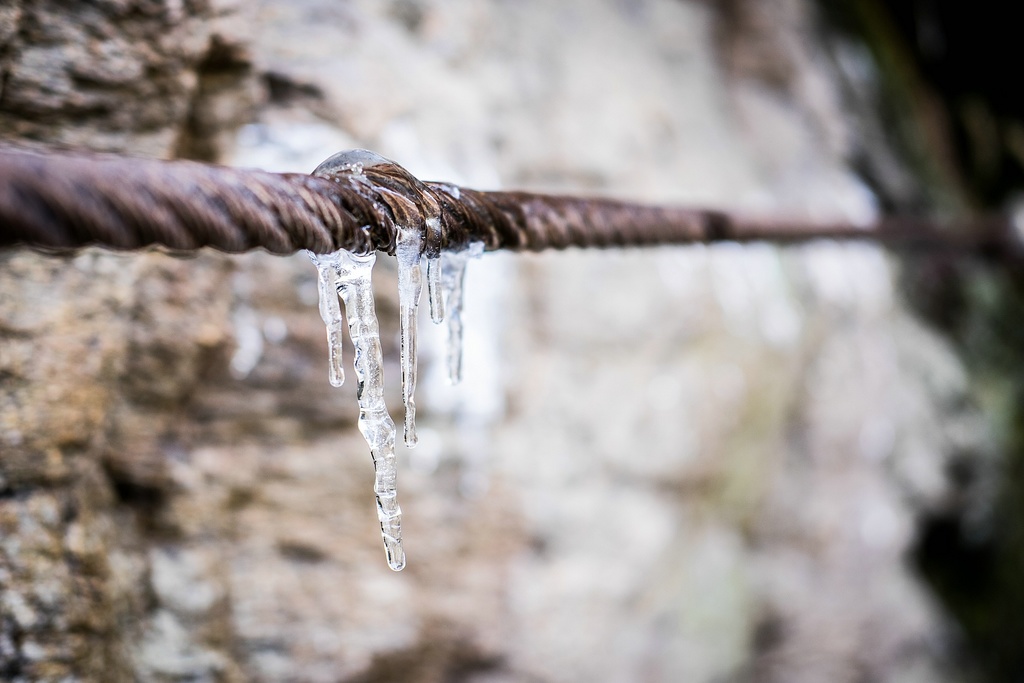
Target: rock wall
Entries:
(699, 464)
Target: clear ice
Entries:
(434, 293)
(353, 161)
(453, 274)
(410, 288)
(351, 275)
(330, 311)
(434, 290)
(347, 276)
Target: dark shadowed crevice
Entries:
(223, 99)
(283, 90)
(442, 656)
(146, 501)
(944, 69)
(10, 38)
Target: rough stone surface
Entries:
(119, 75)
(699, 464)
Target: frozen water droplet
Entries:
(352, 276)
(353, 161)
(453, 274)
(330, 312)
(410, 288)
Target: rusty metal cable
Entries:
(356, 200)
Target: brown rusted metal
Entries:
(64, 200)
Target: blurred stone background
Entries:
(717, 464)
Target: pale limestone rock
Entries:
(694, 464)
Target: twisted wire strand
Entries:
(70, 200)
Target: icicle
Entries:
(453, 272)
(410, 287)
(434, 289)
(352, 276)
(434, 292)
(330, 311)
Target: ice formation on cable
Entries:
(433, 225)
(410, 287)
(345, 275)
(353, 161)
(453, 274)
(330, 311)
(351, 275)
(434, 290)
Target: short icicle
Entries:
(352, 275)
(434, 291)
(453, 274)
(410, 288)
(330, 311)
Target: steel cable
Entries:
(64, 200)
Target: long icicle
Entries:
(453, 275)
(353, 275)
(330, 311)
(410, 288)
